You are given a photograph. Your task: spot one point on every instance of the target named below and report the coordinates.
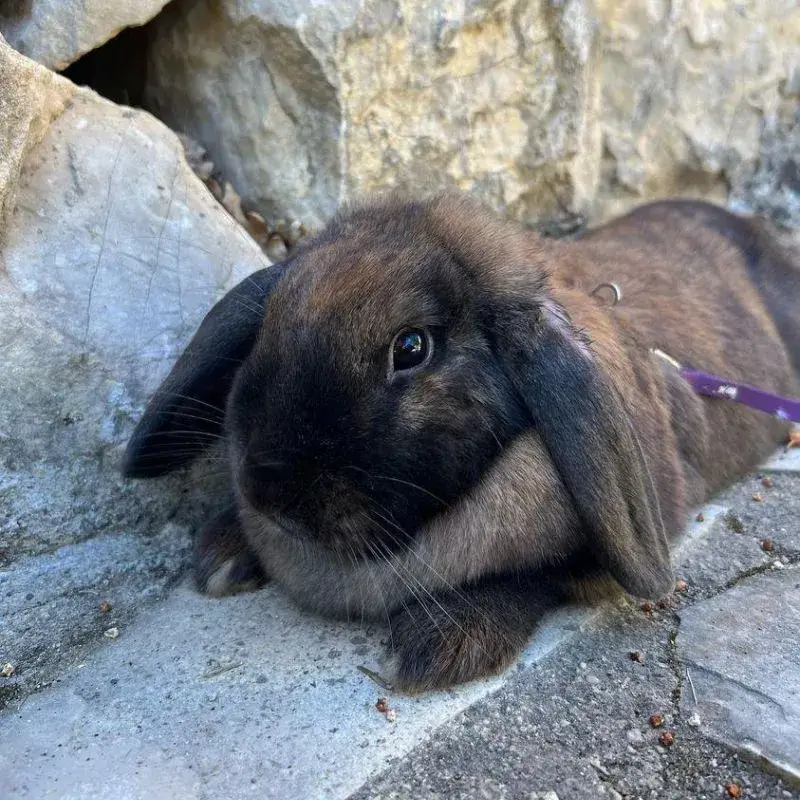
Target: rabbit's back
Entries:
(716, 292)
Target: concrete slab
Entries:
(51, 603)
(785, 460)
(234, 698)
(248, 697)
(700, 523)
(716, 550)
(770, 511)
(742, 649)
(576, 727)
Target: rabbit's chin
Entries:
(337, 581)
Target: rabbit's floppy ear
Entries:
(185, 415)
(592, 442)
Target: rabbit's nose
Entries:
(267, 480)
(265, 469)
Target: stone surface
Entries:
(248, 697)
(719, 550)
(775, 517)
(773, 188)
(235, 698)
(301, 104)
(784, 461)
(57, 33)
(693, 93)
(742, 649)
(30, 99)
(52, 604)
(549, 111)
(577, 726)
(113, 254)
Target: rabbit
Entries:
(433, 419)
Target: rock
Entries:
(30, 98)
(194, 680)
(112, 255)
(773, 188)
(719, 556)
(53, 602)
(547, 111)
(692, 95)
(57, 32)
(786, 460)
(741, 650)
(302, 104)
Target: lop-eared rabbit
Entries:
(433, 419)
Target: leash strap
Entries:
(704, 383)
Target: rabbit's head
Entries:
(371, 381)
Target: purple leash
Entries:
(785, 408)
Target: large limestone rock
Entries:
(57, 32)
(30, 98)
(546, 109)
(112, 254)
(303, 103)
(693, 93)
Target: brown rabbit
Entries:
(431, 418)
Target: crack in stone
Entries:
(748, 690)
(760, 569)
(95, 272)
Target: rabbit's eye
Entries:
(411, 348)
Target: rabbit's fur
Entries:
(544, 451)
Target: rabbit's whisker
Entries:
(381, 556)
(378, 588)
(176, 452)
(197, 400)
(187, 415)
(410, 575)
(409, 548)
(185, 434)
(397, 480)
(242, 303)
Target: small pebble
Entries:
(767, 545)
(391, 715)
(7, 671)
(634, 736)
(758, 497)
(257, 224)
(694, 720)
(111, 633)
(667, 739)
(276, 248)
(636, 656)
(295, 233)
(681, 586)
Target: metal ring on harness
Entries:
(615, 287)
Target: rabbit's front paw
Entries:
(456, 638)
(223, 562)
